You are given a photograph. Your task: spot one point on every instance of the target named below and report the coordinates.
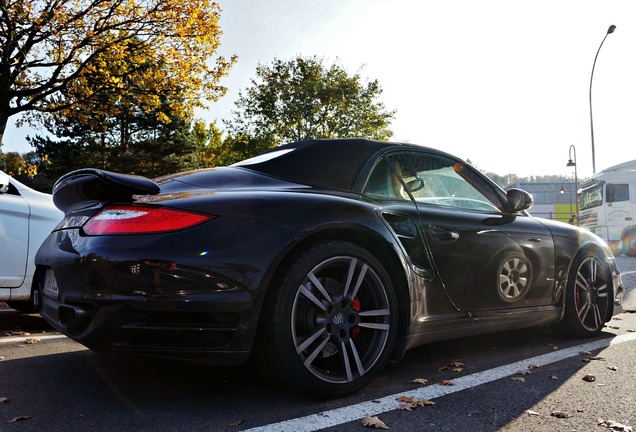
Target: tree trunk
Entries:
(4, 119)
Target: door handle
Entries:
(444, 235)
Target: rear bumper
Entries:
(180, 295)
(188, 328)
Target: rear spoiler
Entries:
(90, 186)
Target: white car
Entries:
(26, 218)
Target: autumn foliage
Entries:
(51, 50)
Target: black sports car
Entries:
(325, 258)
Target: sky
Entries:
(502, 83)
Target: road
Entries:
(514, 381)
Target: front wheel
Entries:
(330, 320)
(629, 245)
(588, 296)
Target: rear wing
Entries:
(90, 186)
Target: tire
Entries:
(514, 277)
(629, 245)
(330, 320)
(588, 296)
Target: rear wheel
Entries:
(331, 319)
(588, 296)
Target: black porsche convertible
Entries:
(323, 258)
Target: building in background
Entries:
(552, 200)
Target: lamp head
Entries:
(571, 163)
(611, 29)
(562, 191)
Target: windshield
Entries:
(591, 197)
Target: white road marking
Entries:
(23, 339)
(359, 411)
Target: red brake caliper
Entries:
(355, 305)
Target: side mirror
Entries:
(519, 200)
(4, 183)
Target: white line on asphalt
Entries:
(23, 339)
(350, 413)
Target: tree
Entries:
(48, 46)
(155, 148)
(302, 98)
(240, 147)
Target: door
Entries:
(484, 257)
(619, 212)
(14, 237)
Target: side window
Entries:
(617, 192)
(385, 182)
(433, 180)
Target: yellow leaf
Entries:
(373, 422)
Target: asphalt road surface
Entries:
(529, 380)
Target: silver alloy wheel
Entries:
(591, 294)
(340, 319)
(514, 277)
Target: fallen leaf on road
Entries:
(420, 381)
(560, 414)
(3, 400)
(32, 341)
(524, 372)
(410, 406)
(16, 333)
(405, 399)
(612, 368)
(533, 366)
(532, 413)
(19, 418)
(455, 366)
(412, 400)
(553, 377)
(518, 379)
(589, 378)
(373, 422)
(611, 424)
(446, 383)
(236, 423)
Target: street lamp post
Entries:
(610, 30)
(562, 191)
(572, 163)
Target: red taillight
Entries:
(129, 219)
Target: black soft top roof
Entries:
(328, 163)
